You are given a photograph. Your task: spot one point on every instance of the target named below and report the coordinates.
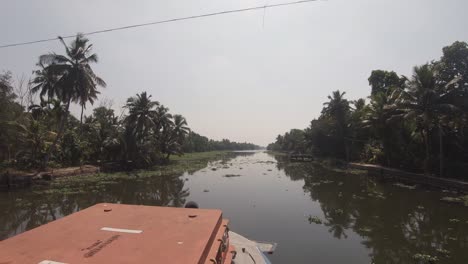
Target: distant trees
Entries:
(408, 123)
(197, 143)
(292, 141)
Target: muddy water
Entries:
(316, 215)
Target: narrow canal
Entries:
(316, 215)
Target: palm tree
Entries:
(138, 125)
(69, 77)
(44, 82)
(78, 58)
(180, 127)
(178, 135)
(162, 119)
(141, 114)
(378, 117)
(425, 102)
(338, 109)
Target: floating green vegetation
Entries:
(314, 219)
(357, 197)
(338, 166)
(325, 181)
(339, 211)
(424, 258)
(265, 162)
(459, 200)
(232, 175)
(401, 185)
(443, 252)
(376, 194)
(190, 163)
(365, 230)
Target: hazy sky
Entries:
(231, 76)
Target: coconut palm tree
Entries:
(162, 120)
(139, 124)
(338, 109)
(69, 77)
(181, 129)
(378, 118)
(426, 103)
(79, 73)
(142, 111)
(179, 133)
(44, 83)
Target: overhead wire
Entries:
(264, 7)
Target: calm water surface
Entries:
(266, 198)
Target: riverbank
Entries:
(86, 175)
(412, 178)
(386, 173)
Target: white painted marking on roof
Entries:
(130, 231)
(50, 262)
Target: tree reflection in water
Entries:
(394, 223)
(25, 210)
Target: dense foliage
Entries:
(417, 123)
(197, 143)
(40, 132)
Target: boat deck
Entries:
(115, 233)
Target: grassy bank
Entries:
(189, 162)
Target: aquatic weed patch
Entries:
(314, 219)
(98, 182)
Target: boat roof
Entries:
(116, 233)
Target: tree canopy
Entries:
(417, 123)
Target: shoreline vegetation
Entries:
(416, 124)
(76, 179)
(39, 135)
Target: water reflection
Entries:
(25, 209)
(395, 223)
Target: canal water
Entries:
(316, 215)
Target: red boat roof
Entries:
(116, 233)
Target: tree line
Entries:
(41, 132)
(416, 123)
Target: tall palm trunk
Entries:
(9, 152)
(59, 134)
(441, 151)
(81, 120)
(428, 155)
(81, 117)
